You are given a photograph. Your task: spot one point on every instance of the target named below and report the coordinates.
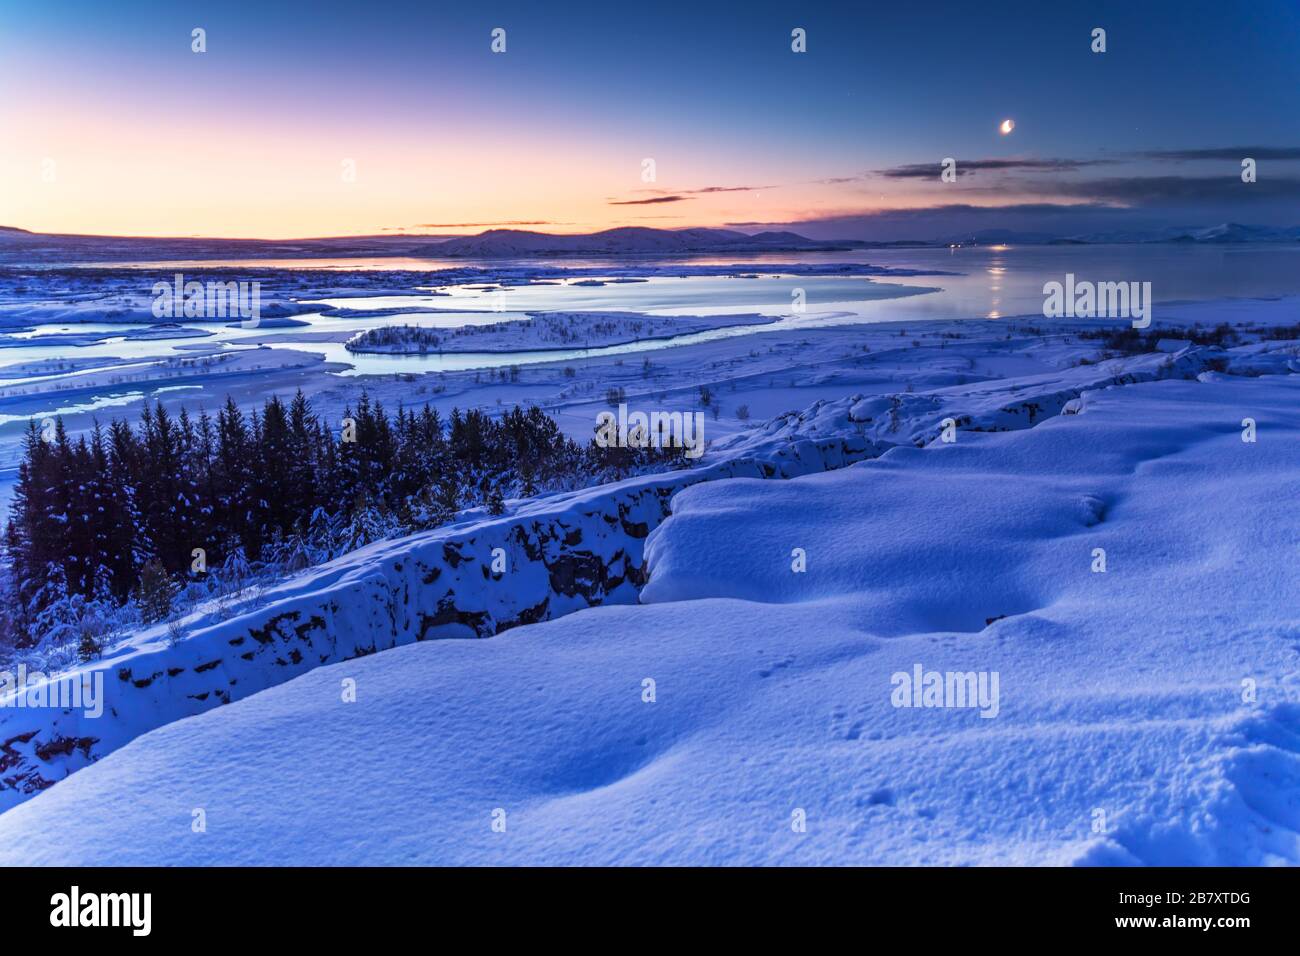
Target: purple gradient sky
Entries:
(145, 137)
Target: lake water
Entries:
(992, 282)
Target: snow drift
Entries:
(1125, 733)
(964, 555)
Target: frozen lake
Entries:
(993, 282)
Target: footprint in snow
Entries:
(776, 666)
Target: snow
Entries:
(476, 577)
(544, 331)
(1121, 693)
(67, 326)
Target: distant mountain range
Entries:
(1222, 233)
(631, 240)
(20, 245)
(51, 248)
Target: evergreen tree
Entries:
(154, 593)
(118, 512)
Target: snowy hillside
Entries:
(1123, 732)
(773, 693)
(559, 553)
(472, 579)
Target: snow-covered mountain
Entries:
(1236, 232)
(1228, 232)
(1223, 233)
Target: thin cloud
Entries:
(476, 225)
(703, 190)
(1144, 190)
(1046, 218)
(968, 166)
(1236, 153)
(648, 202)
(959, 210)
(727, 189)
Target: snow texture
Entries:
(1147, 714)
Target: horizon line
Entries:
(372, 235)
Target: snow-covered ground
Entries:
(78, 341)
(545, 330)
(1147, 713)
